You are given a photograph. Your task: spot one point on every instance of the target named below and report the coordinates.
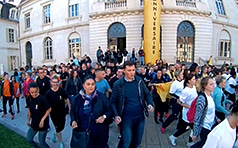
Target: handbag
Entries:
(81, 139)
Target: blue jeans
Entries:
(131, 132)
(141, 60)
(42, 136)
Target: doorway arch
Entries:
(29, 54)
(117, 36)
(185, 42)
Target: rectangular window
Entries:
(220, 8)
(27, 20)
(13, 62)
(12, 16)
(46, 14)
(224, 50)
(11, 37)
(74, 10)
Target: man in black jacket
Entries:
(130, 100)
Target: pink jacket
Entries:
(25, 85)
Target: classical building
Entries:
(52, 31)
(9, 45)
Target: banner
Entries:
(152, 13)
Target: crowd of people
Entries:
(118, 90)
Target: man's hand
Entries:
(118, 119)
(74, 124)
(100, 119)
(194, 138)
(41, 124)
(150, 108)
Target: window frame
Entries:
(46, 12)
(27, 20)
(220, 7)
(11, 35)
(74, 10)
(48, 48)
(224, 48)
(74, 42)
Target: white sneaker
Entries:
(190, 144)
(172, 140)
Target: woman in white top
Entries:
(224, 134)
(188, 94)
(176, 91)
(205, 113)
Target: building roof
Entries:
(5, 10)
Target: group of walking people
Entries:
(94, 98)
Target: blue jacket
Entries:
(118, 96)
(217, 96)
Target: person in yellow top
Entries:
(209, 62)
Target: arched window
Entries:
(224, 44)
(74, 45)
(48, 48)
(185, 42)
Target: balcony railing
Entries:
(142, 2)
(115, 4)
(186, 3)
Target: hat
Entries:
(193, 67)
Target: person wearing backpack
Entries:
(205, 113)
(189, 93)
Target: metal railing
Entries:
(142, 2)
(186, 3)
(115, 4)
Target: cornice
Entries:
(53, 30)
(224, 23)
(105, 14)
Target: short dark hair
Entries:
(87, 78)
(33, 85)
(99, 69)
(128, 63)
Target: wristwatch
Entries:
(104, 116)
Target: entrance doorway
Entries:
(185, 42)
(29, 54)
(117, 36)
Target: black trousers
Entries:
(203, 136)
(176, 109)
(10, 103)
(182, 127)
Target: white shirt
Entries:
(177, 87)
(210, 115)
(231, 81)
(222, 136)
(187, 97)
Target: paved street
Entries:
(153, 138)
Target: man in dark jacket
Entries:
(130, 100)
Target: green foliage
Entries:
(9, 139)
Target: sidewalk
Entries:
(153, 138)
